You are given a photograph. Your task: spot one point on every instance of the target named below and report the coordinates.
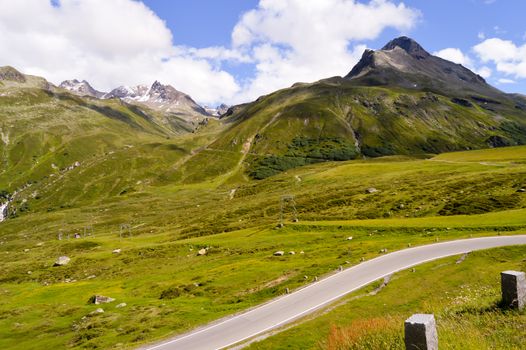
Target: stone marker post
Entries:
(513, 285)
(421, 332)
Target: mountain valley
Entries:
(178, 210)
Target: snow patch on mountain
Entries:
(81, 88)
(217, 111)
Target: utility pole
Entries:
(287, 200)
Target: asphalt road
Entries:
(318, 294)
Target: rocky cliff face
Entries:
(162, 98)
(404, 63)
(80, 88)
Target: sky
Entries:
(232, 51)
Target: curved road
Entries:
(306, 300)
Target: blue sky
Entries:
(236, 50)
(443, 24)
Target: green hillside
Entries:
(169, 288)
(336, 120)
(145, 192)
(58, 148)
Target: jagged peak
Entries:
(408, 45)
(402, 62)
(74, 81)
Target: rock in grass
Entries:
(98, 311)
(371, 190)
(202, 251)
(61, 261)
(116, 251)
(279, 253)
(100, 299)
(121, 305)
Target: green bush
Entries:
(304, 151)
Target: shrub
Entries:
(170, 293)
(304, 151)
(372, 334)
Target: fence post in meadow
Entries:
(513, 286)
(420, 332)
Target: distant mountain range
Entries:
(81, 88)
(159, 97)
(399, 100)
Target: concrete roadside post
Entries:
(421, 332)
(513, 286)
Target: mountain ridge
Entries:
(81, 88)
(404, 63)
(158, 97)
(399, 100)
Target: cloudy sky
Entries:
(236, 50)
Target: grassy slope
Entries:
(172, 221)
(117, 146)
(378, 121)
(133, 171)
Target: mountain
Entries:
(9, 76)
(166, 105)
(80, 88)
(399, 100)
(48, 133)
(161, 98)
(404, 63)
(218, 111)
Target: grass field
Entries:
(169, 288)
(463, 296)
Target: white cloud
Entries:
(307, 40)
(108, 43)
(481, 35)
(116, 42)
(484, 72)
(499, 30)
(508, 58)
(506, 81)
(455, 55)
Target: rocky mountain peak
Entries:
(157, 86)
(164, 93)
(164, 98)
(404, 63)
(408, 45)
(80, 88)
(218, 110)
(11, 74)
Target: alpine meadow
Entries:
(139, 218)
